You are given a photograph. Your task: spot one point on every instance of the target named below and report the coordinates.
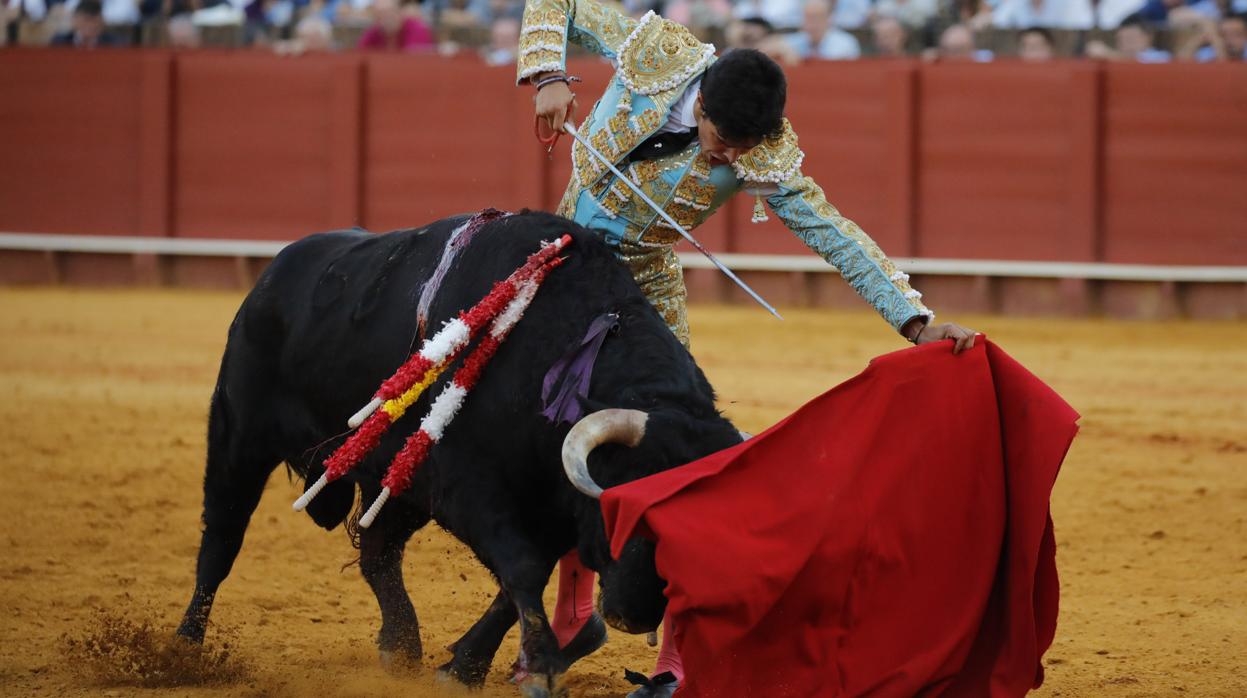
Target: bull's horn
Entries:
(604, 426)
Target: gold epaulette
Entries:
(776, 159)
(660, 55)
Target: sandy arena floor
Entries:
(103, 420)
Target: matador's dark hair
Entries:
(743, 94)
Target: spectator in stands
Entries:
(458, 23)
(957, 44)
(890, 37)
(351, 13)
(975, 14)
(392, 30)
(912, 13)
(116, 13)
(781, 15)
(88, 28)
(181, 33)
(504, 42)
(314, 34)
(637, 8)
(11, 13)
(699, 15)
(1133, 43)
(1110, 13)
(1179, 13)
(747, 32)
(757, 33)
(853, 14)
(1035, 45)
(1052, 14)
(818, 38)
(164, 9)
(1225, 40)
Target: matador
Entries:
(690, 129)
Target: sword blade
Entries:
(670, 221)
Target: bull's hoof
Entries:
(470, 674)
(399, 662)
(191, 635)
(663, 685)
(665, 691)
(192, 629)
(543, 686)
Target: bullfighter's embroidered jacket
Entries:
(656, 61)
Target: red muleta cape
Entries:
(890, 538)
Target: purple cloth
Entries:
(572, 372)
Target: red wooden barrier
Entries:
(265, 148)
(444, 137)
(1067, 161)
(1001, 154)
(1175, 164)
(85, 142)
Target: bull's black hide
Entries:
(335, 314)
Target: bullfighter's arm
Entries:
(550, 24)
(774, 169)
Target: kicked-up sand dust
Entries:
(102, 425)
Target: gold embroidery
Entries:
(607, 25)
(620, 135)
(546, 30)
(689, 202)
(775, 159)
(647, 122)
(567, 205)
(657, 271)
(661, 55)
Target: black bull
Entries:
(336, 313)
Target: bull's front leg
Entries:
(381, 562)
(523, 576)
(539, 648)
(474, 652)
(522, 568)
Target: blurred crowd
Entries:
(791, 31)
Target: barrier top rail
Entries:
(37, 242)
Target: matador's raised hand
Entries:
(554, 103)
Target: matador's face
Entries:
(717, 150)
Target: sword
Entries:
(670, 221)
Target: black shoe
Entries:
(591, 636)
(661, 686)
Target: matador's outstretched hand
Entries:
(963, 337)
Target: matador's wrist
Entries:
(912, 329)
(541, 81)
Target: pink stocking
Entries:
(668, 657)
(575, 598)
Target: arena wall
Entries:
(1073, 161)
